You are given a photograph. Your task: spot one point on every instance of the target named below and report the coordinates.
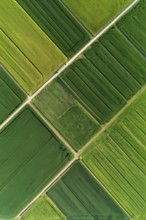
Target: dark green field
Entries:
(93, 90)
(58, 24)
(11, 96)
(133, 26)
(118, 159)
(61, 108)
(30, 157)
(80, 196)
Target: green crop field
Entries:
(30, 157)
(133, 26)
(94, 14)
(93, 90)
(57, 23)
(43, 209)
(77, 193)
(118, 159)
(27, 52)
(11, 96)
(59, 106)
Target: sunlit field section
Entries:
(43, 209)
(118, 159)
(59, 24)
(29, 55)
(96, 14)
(80, 196)
(11, 96)
(61, 108)
(133, 26)
(30, 157)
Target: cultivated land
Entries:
(133, 26)
(118, 159)
(11, 96)
(27, 52)
(58, 24)
(95, 15)
(79, 196)
(61, 108)
(43, 209)
(30, 157)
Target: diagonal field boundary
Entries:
(58, 72)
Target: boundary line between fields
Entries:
(62, 68)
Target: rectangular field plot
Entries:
(43, 209)
(133, 26)
(93, 90)
(118, 159)
(29, 55)
(79, 196)
(30, 156)
(61, 108)
(57, 23)
(94, 14)
(11, 96)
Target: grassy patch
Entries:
(61, 108)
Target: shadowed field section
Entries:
(79, 196)
(118, 159)
(30, 156)
(53, 18)
(28, 54)
(61, 108)
(95, 15)
(11, 96)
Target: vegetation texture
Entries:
(79, 196)
(29, 55)
(60, 107)
(118, 159)
(94, 14)
(43, 209)
(30, 157)
(57, 23)
(11, 96)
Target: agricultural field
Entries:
(118, 159)
(95, 15)
(28, 54)
(59, 24)
(43, 209)
(79, 196)
(11, 96)
(72, 110)
(133, 27)
(30, 157)
(60, 107)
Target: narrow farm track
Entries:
(30, 98)
(107, 125)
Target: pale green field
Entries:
(29, 55)
(96, 14)
(43, 209)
